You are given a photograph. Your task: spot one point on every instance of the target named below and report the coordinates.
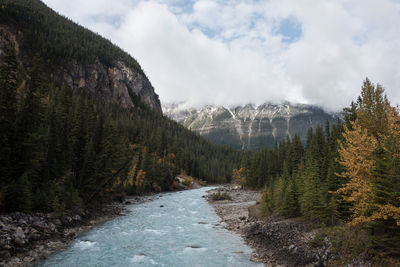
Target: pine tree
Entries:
(8, 111)
(385, 219)
(18, 196)
(312, 203)
(290, 205)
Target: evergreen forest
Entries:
(345, 173)
(62, 148)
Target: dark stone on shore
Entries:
(76, 217)
(4, 254)
(119, 199)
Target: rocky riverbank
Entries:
(276, 241)
(28, 238)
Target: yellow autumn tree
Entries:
(140, 178)
(356, 155)
(131, 173)
(239, 176)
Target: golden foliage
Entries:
(201, 182)
(392, 139)
(188, 181)
(131, 173)
(356, 156)
(239, 176)
(140, 178)
(175, 185)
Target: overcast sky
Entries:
(238, 52)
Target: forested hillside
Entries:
(64, 146)
(61, 148)
(345, 173)
(73, 55)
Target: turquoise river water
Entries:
(184, 232)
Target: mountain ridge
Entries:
(250, 126)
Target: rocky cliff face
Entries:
(249, 126)
(117, 84)
(114, 83)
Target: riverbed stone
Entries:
(28, 259)
(4, 254)
(19, 241)
(19, 233)
(39, 225)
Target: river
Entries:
(175, 229)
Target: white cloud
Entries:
(229, 52)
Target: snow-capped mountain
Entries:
(250, 126)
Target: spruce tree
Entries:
(8, 112)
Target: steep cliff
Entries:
(72, 55)
(249, 126)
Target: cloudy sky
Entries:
(237, 52)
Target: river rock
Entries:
(39, 225)
(4, 254)
(52, 227)
(66, 220)
(15, 260)
(34, 234)
(28, 259)
(19, 241)
(4, 227)
(19, 233)
(22, 222)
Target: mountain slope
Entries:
(250, 127)
(80, 122)
(72, 55)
